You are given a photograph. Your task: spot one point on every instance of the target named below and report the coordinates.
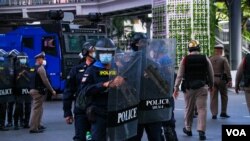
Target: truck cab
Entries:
(60, 42)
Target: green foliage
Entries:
(213, 23)
(222, 13)
(118, 24)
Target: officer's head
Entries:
(218, 49)
(105, 50)
(40, 59)
(22, 58)
(157, 49)
(193, 45)
(88, 50)
(137, 40)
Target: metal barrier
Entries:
(40, 2)
(222, 35)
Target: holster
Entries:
(224, 78)
(93, 111)
(90, 111)
(42, 91)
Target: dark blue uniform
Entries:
(98, 95)
(74, 79)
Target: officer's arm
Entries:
(210, 74)
(227, 70)
(42, 73)
(239, 73)
(180, 74)
(68, 94)
(91, 86)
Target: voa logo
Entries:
(236, 132)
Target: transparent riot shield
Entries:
(157, 80)
(22, 77)
(123, 100)
(6, 77)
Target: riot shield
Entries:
(22, 77)
(157, 80)
(123, 100)
(6, 77)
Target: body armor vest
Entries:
(195, 71)
(37, 82)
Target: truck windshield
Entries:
(74, 42)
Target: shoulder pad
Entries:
(98, 64)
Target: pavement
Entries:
(58, 130)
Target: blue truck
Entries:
(60, 42)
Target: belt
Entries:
(217, 75)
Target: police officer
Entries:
(244, 71)
(153, 129)
(74, 80)
(11, 105)
(96, 88)
(222, 79)
(39, 84)
(21, 91)
(6, 83)
(197, 70)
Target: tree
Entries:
(223, 13)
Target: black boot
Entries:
(202, 135)
(224, 115)
(188, 133)
(170, 133)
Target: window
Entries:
(100, 37)
(74, 42)
(49, 45)
(28, 42)
(93, 37)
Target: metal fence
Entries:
(222, 34)
(40, 2)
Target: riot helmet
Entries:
(193, 45)
(88, 49)
(13, 53)
(136, 37)
(105, 50)
(157, 47)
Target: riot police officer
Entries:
(6, 84)
(153, 128)
(74, 80)
(95, 86)
(197, 71)
(21, 91)
(11, 105)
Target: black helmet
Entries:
(13, 53)
(86, 47)
(136, 37)
(193, 45)
(3, 52)
(105, 50)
